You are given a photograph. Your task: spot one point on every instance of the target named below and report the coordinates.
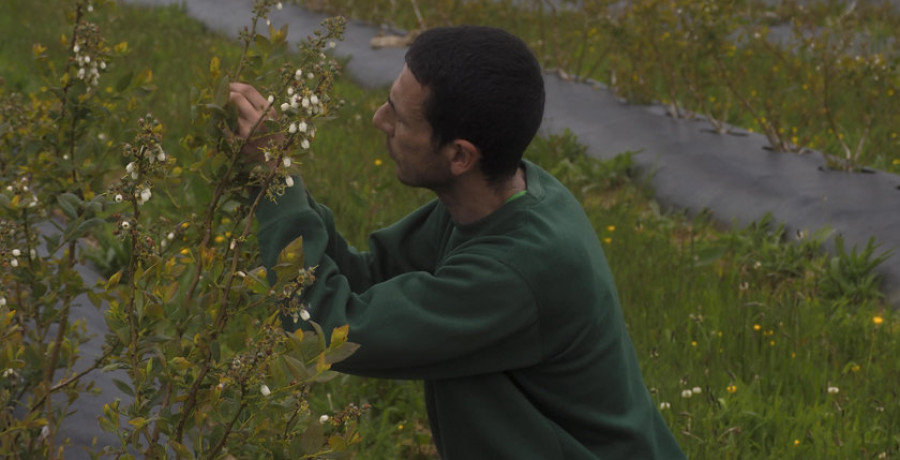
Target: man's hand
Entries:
(251, 107)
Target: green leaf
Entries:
(296, 368)
(313, 439)
(181, 450)
(263, 44)
(70, 204)
(123, 387)
(342, 352)
(124, 81)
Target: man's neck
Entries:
(472, 198)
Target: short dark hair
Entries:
(484, 86)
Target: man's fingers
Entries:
(250, 94)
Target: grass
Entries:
(740, 314)
(696, 57)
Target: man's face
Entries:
(402, 119)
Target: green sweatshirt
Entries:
(513, 322)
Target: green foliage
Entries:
(807, 75)
(850, 278)
(191, 319)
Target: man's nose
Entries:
(380, 119)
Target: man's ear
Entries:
(464, 157)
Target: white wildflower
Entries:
(119, 198)
(696, 390)
(289, 181)
(2, 301)
(304, 314)
(324, 419)
(45, 433)
(686, 394)
(304, 143)
(305, 102)
(170, 236)
(285, 107)
(16, 253)
(76, 48)
(314, 99)
(298, 74)
(14, 263)
(290, 91)
(146, 194)
(301, 127)
(264, 389)
(664, 405)
(292, 128)
(833, 390)
(279, 6)
(271, 99)
(287, 162)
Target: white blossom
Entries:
(324, 419)
(16, 253)
(14, 262)
(2, 301)
(314, 99)
(686, 394)
(285, 106)
(287, 162)
(301, 127)
(118, 198)
(298, 74)
(289, 181)
(264, 389)
(279, 6)
(304, 314)
(696, 390)
(292, 128)
(304, 143)
(664, 405)
(833, 390)
(271, 99)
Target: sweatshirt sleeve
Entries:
(412, 321)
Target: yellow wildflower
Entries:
(378, 162)
(731, 389)
(756, 327)
(877, 320)
(607, 240)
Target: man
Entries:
(496, 294)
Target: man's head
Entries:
(482, 85)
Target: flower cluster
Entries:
(19, 193)
(90, 54)
(147, 160)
